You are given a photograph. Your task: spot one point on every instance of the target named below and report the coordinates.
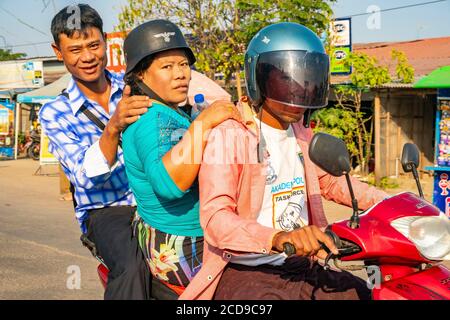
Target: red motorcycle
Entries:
(401, 241)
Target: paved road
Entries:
(40, 251)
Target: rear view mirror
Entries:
(330, 154)
(410, 157)
(410, 163)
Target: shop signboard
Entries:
(441, 190)
(21, 74)
(338, 56)
(6, 130)
(114, 44)
(341, 44)
(45, 156)
(441, 196)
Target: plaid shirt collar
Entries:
(77, 98)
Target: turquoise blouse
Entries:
(161, 204)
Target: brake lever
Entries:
(330, 255)
(289, 250)
(326, 264)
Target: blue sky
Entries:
(428, 21)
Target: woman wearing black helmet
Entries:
(163, 151)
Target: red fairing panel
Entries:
(431, 284)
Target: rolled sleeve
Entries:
(95, 163)
(163, 185)
(70, 151)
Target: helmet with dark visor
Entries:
(294, 77)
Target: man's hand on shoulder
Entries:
(128, 110)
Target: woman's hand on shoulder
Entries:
(218, 112)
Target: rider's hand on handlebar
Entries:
(306, 241)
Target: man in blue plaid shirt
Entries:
(91, 157)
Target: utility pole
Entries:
(377, 114)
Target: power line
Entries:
(16, 36)
(23, 22)
(4, 42)
(29, 44)
(396, 8)
(46, 3)
(353, 15)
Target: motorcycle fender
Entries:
(430, 284)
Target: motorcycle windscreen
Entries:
(296, 78)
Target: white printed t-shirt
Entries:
(285, 203)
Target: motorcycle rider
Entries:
(270, 193)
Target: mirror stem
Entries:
(354, 220)
(416, 177)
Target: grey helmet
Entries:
(287, 62)
(152, 37)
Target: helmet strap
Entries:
(149, 92)
(261, 147)
(306, 118)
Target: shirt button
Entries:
(209, 278)
(264, 251)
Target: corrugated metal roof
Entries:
(386, 85)
(425, 55)
(395, 85)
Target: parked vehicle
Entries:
(32, 146)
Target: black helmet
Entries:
(152, 37)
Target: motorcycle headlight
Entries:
(430, 235)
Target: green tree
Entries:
(6, 54)
(313, 14)
(356, 125)
(198, 18)
(220, 30)
(403, 70)
(340, 122)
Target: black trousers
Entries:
(110, 229)
(297, 279)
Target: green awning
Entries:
(439, 79)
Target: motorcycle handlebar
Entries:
(289, 248)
